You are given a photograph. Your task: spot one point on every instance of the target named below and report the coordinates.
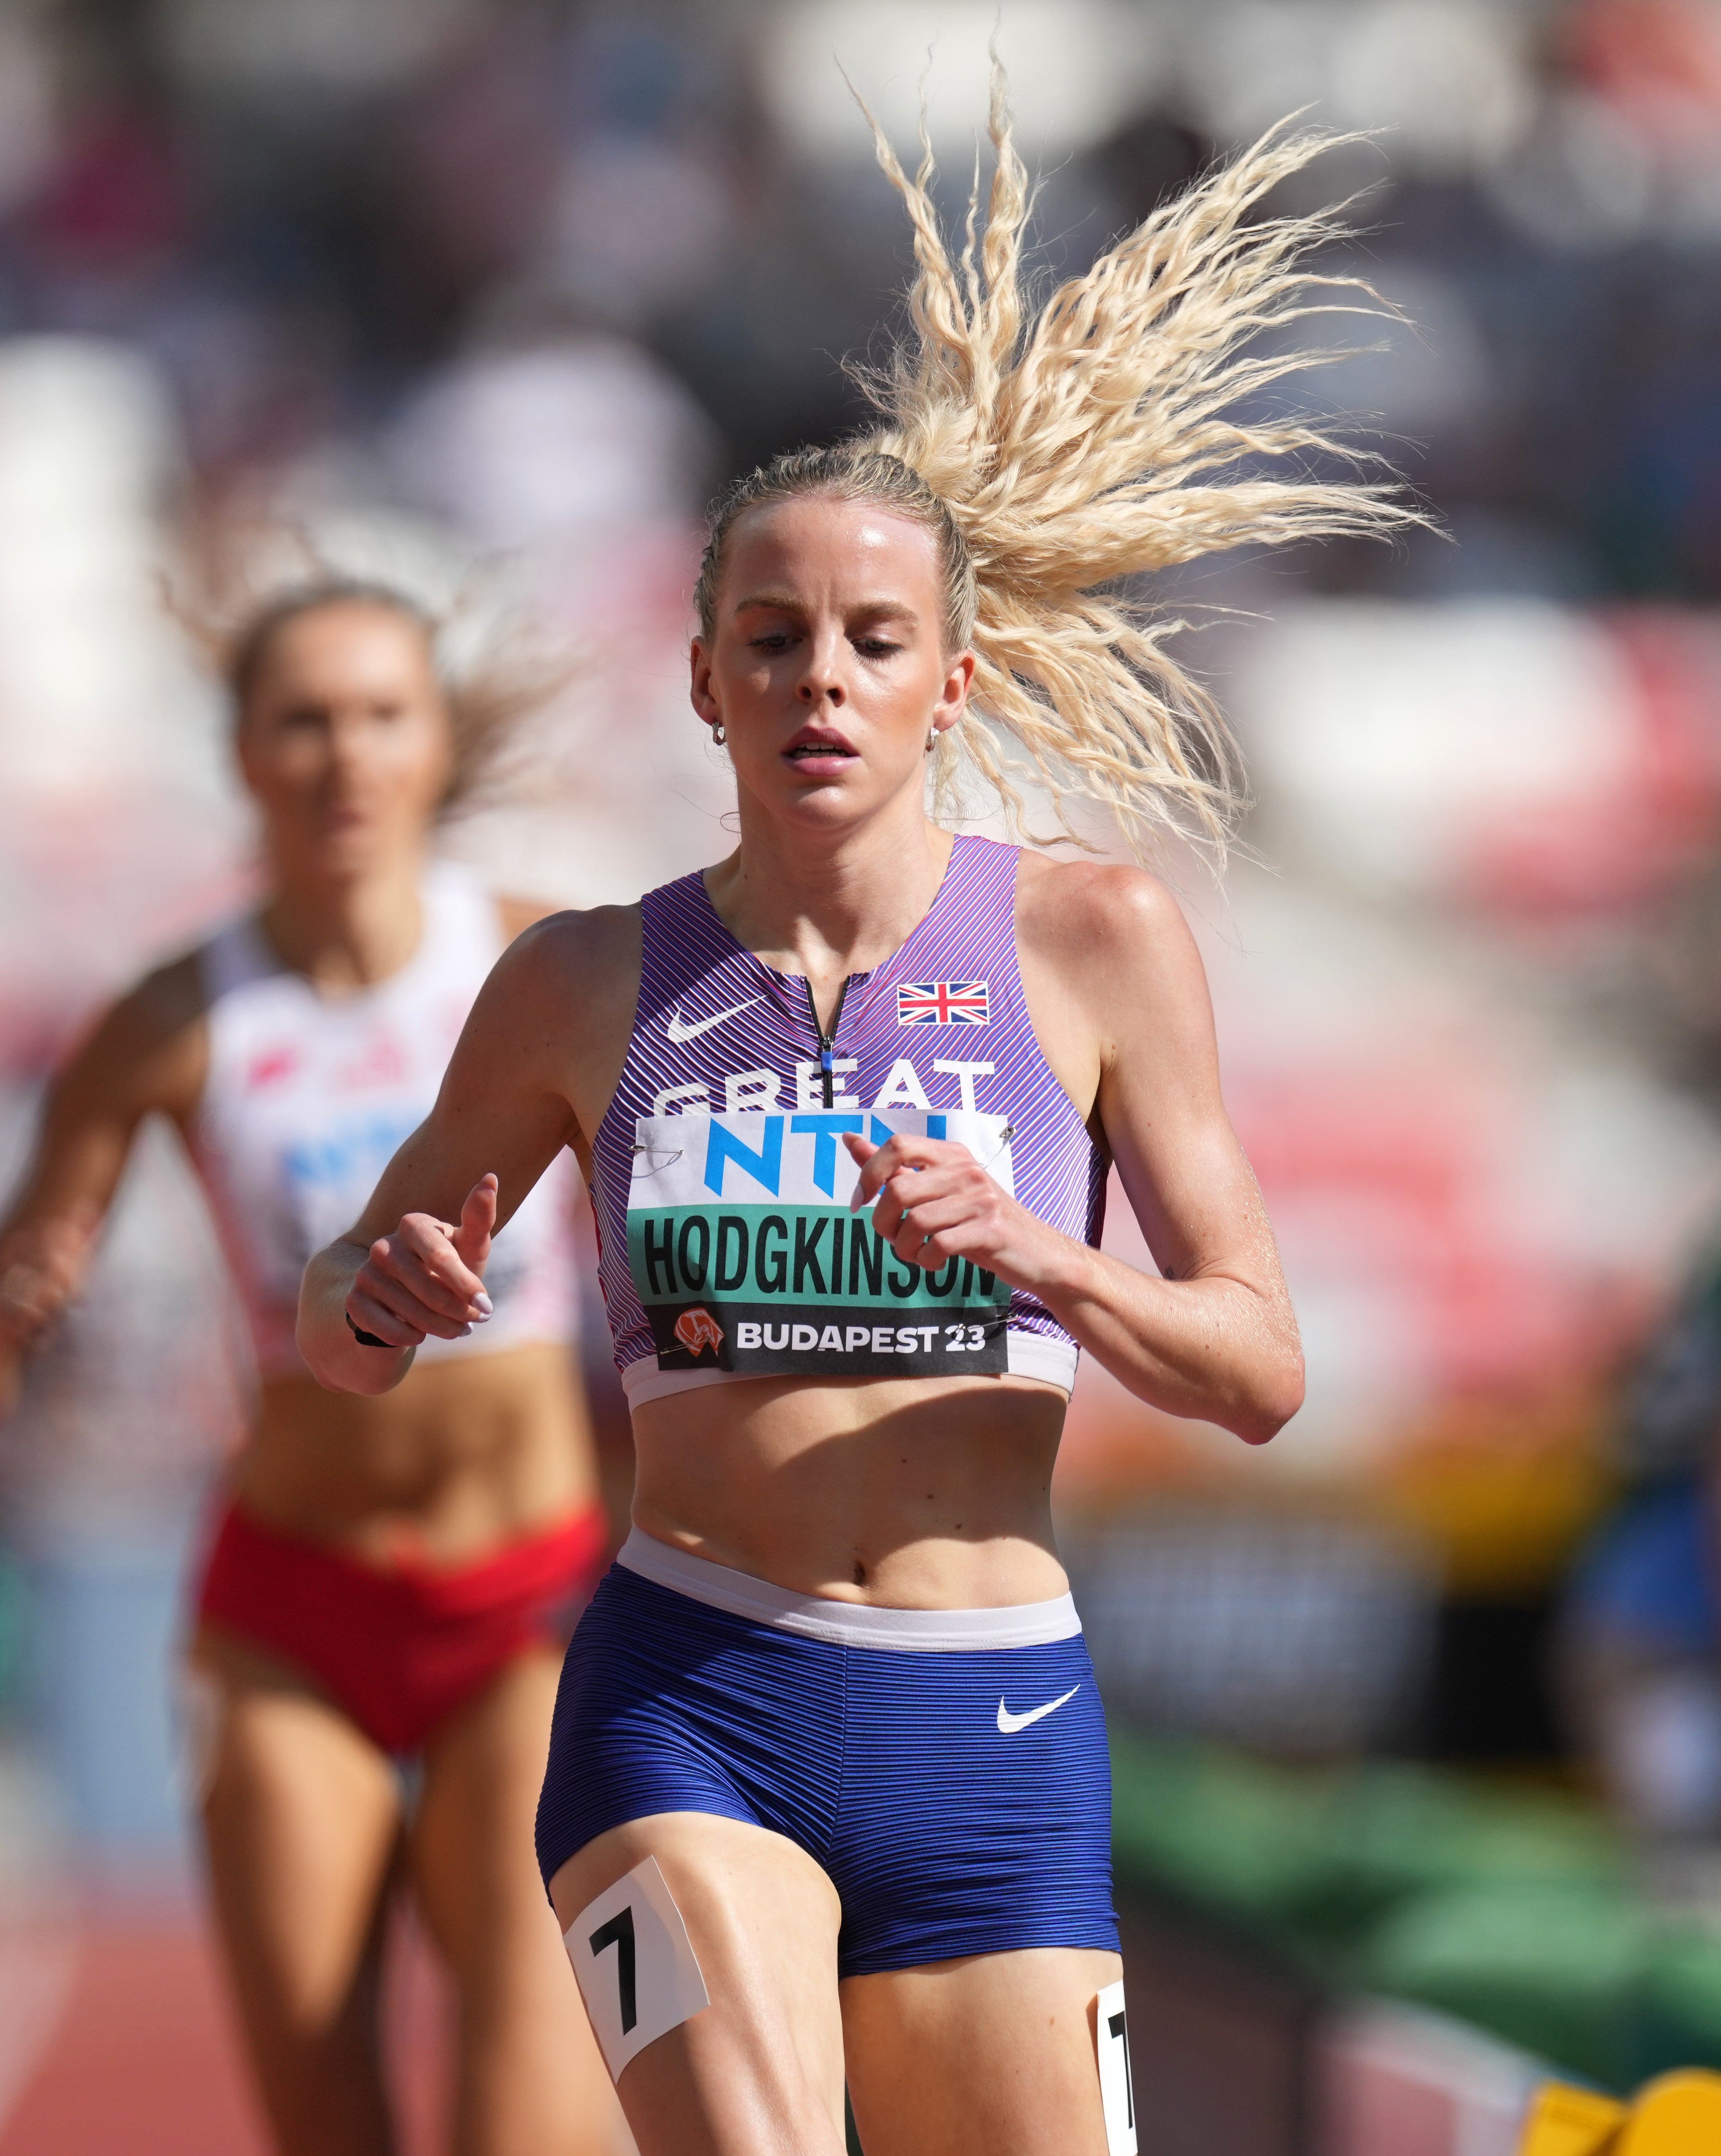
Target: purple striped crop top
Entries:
(721, 1185)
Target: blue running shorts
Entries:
(948, 1769)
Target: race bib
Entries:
(1111, 2037)
(747, 1257)
(635, 1965)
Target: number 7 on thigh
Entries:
(707, 1959)
(654, 1963)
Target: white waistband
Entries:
(847, 1624)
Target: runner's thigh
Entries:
(989, 2056)
(531, 2076)
(301, 1821)
(761, 2068)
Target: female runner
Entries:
(388, 1578)
(828, 1784)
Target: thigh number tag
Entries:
(1111, 2036)
(635, 1965)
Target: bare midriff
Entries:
(460, 1459)
(911, 1495)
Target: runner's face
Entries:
(827, 665)
(345, 741)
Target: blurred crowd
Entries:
(304, 218)
(489, 295)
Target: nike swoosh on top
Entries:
(1009, 1723)
(678, 1031)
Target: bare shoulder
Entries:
(578, 968)
(151, 1046)
(594, 951)
(1114, 980)
(560, 1003)
(1093, 918)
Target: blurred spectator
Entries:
(1644, 1656)
(1643, 1615)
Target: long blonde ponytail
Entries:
(1056, 453)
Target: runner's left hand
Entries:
(936, 1201)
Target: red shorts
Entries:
(399, 1650)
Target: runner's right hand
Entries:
(428, 1276)
(42, 1267)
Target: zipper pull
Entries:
(827, 1041)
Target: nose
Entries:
(351, 749)
(821, 680)
(345, 743)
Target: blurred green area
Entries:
(1518, 1912)
(12, 1634)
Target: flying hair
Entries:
(1120, 429)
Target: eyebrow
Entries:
(898, 609)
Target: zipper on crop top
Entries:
(827, 1041)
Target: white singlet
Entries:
(309, 1096)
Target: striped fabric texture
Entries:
(942, 1025)
(960, 1803)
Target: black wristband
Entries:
(364, 1339)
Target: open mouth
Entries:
(820, 745)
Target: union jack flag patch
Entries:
(943, 1002)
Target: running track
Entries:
(116, 2036)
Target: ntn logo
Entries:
(726, 1147)
(765, 1163)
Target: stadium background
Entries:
(489, 295)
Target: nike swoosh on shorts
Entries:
(678, 1032)
(1009, 1723)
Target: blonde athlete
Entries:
(390, 1580)
(828, 1785)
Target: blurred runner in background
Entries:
(388, 1588)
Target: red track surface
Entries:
(144, 2060)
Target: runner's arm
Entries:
(147, 1053)
(532, 1055)
(1214, 1336)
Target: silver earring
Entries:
(720, 733)
(932, 739)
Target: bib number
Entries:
(1111, 2036)
(635, 1964)
(619, 1932)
